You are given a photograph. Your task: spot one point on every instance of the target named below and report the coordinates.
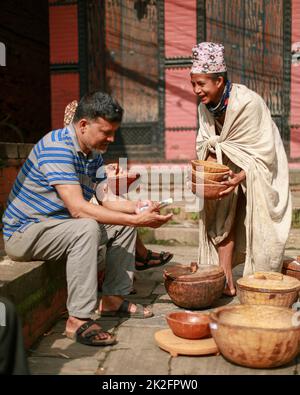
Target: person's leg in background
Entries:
(119, 272)
(147, 259)
(13, 360)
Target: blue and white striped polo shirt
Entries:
(55, 159)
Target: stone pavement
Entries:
(136, 352)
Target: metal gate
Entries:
(123, 53)
(125, 57)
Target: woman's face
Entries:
(208, 90)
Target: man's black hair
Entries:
(215, 76)
(98, 104)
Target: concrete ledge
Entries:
(294, 175)
(38, 290)
(15, 150)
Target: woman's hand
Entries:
(233, 180)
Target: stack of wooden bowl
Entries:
(206, 178)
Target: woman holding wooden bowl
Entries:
(250, 219)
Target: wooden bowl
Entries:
(291, 267)
(119, 184)
(209, 166)
(256, 336)
(268, 288)
(208, 191)
(189, 325)
(200, 177)
(194, 290)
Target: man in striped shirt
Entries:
(49, 217)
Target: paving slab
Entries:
(136, 354)
(217, 365)
(62, 366)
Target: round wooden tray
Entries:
(176, 345)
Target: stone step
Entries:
(38, 290)
(187, 234)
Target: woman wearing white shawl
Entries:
(251, 221)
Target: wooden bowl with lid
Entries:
(257, 336)
(268, 288)
(194, 289)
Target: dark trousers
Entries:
(12, 353)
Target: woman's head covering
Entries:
(70, 112)
(208, 58)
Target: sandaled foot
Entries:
(91, 334)
(152, 260)
(125, 311)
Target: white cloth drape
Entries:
(249, 140)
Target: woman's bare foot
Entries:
(229, 291)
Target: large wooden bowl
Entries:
(200, 177)
(268, 288)
(189, 325)
(209, 166)
(256, 336)
(208, 191)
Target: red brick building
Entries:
(139, 50)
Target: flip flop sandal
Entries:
(123, 311)
(90, 337)
(145, 261)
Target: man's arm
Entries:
(78, 207)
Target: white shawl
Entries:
(250, 140)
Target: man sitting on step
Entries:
(49, 217)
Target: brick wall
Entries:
(295, 85)
(25, 80)
(12, 158)
(65, 84)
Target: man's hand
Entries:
(146, 204)
(234, 180)
(152, 218)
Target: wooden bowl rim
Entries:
(215, 319)
(209, 164)
(204, 316)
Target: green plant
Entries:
(176, 210)
(194, 216)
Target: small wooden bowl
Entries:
(189, 325)
(120, 184)
(208, 191)
(209, 166)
